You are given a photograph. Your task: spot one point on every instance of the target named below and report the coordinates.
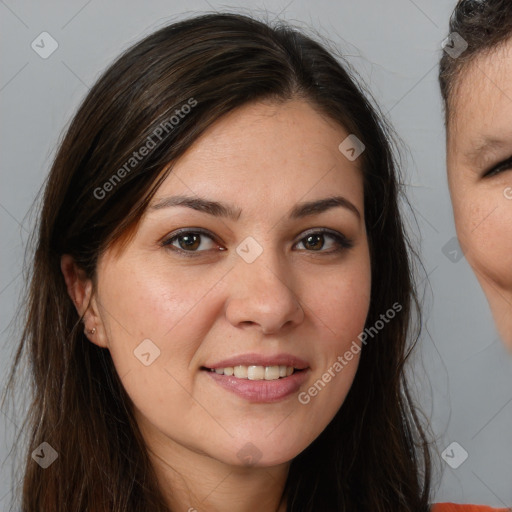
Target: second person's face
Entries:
(479, 158)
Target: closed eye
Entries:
(505, 165)
(189, 242)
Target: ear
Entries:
(80, 290)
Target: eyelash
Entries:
(342, 241)
(502, 166)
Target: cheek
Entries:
(170, 309)
(342, 301)
(484, 227)
(340, 314)
(157, 321)
(341, 308)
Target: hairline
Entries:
(454, 79)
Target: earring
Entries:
(93, 330)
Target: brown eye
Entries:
(316, 241)
(190, 242)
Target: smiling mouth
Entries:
(254, 372)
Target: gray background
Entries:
(462, 371)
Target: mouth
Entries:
(259, 378)
(256, 372)
(257, 383)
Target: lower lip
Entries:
(263, 391)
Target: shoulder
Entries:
(453, 507)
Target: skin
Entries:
(480, 111)
(295, 298)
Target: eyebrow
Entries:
(225, 210)
(480, 150)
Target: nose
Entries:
(262, 295)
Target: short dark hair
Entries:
(484, 25)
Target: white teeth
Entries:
(254, 372)
(241, 372)
(271, 372)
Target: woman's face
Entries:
(242, 275)
(479, 152)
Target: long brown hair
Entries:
(374, 453)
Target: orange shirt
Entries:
(453, 507)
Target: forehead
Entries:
(481, 104)
(289, 146)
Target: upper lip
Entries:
(261, 360)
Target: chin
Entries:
(504, 326)
(498, 292)
(500, 303)
(257, 454)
